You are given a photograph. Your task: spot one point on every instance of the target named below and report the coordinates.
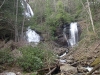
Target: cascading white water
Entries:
(28, 12)
(32, 36)
(73, 34)
(89, 68)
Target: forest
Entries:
(53, 51)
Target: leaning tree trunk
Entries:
(90, 16)
(2, 4)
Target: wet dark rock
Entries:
(2, 68)
(89, 57)
(84, 63)
(61, 42)
(75, 64)
(82, 70)
(60, 51)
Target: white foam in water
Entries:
(89, 68)
(62, 55)
(62, 61)
(29, 11)
(32, 36)
(73, 34)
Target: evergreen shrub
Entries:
(6, 57)
(32, 58)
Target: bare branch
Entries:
(2, 4)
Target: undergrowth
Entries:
(33, 58)
(6, 57)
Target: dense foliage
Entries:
(6, 57)
(48, 16)
(51, 13)
(33, 58)
(8, 17)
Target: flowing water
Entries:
(73, 36)
(89, 68)
(31, 35)
(28, 12)
(34, 37)
(73, 40)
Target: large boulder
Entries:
(68, 70)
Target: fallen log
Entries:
(46, 69)
(51, 71)
(97, 46)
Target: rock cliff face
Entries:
(59, 36)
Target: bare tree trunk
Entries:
(22, 35)
(2, 4)
(86, 15)
(16, 20)
(14, 7)
(84, 6)
(91, 16)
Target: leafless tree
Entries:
(16, 28)
(92, 23)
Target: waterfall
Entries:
(73, 34)
(32, 36)
(28, 12)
